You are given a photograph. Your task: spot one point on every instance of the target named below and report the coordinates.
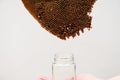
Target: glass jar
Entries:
(63, 67)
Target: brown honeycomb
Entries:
(63, 18)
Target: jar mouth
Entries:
(63, 57)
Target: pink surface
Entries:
(78, 77)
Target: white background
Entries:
(26, 49)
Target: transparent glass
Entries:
(63, 67)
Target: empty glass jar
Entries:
(63, 67)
